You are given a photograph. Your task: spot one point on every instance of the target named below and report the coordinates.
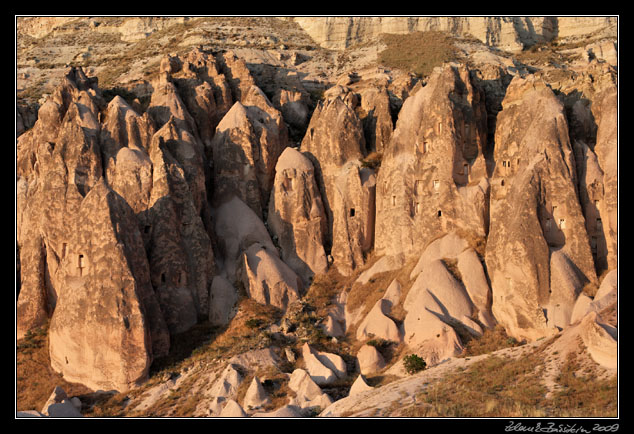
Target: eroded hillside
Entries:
(218, 217)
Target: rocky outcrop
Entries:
(133, 226)
(256, 396)
(150, 170)
(296, 215)
(237, 227)
(434, 172)
(378, 324)
(232, 409)
(537, 226)
(267, 279)
(222, 300)
(323, 367)
(370, 360)
(335, 144)
(246, 146)
(60, 163)
(100, 332)
(307, 392)
(606, 150)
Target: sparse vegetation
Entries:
(418, 52)
(490, 341)
(499, 386)
(582, 394)
(495, 386)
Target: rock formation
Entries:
(537, 225)
(267, 279)
(434, 170)
(491, 201)
(296, 215)
(335, 144)
(100, 331)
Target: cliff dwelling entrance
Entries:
(351, 212)
(81, 265)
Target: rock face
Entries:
(308, 393)
(248, 141)
(507, 33)
(606, 150)
(433, 172)
(267, 279)
(142, 179)
(296, 215)
(324, 368)
(537, 227)
(90, 273)
(135, 222)
(335, 144)
(98, 334)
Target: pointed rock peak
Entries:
(255, 94)
(232, 409)
(256, 396)
(359, 386)
(118, 102)
(99, 191)
(236, 117)
(291, 158)
(119, 106)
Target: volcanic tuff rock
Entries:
(433, 172)
(335, 144)
(137, 220)
(267, 279)
(60, 164)
(99, 332)
(535, 212)
(296, 215)
(153, 174)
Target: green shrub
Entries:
(413, 364)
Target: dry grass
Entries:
(581, 394)
(491, 340)
(500, 386)
(418, 52)
(488, 388)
